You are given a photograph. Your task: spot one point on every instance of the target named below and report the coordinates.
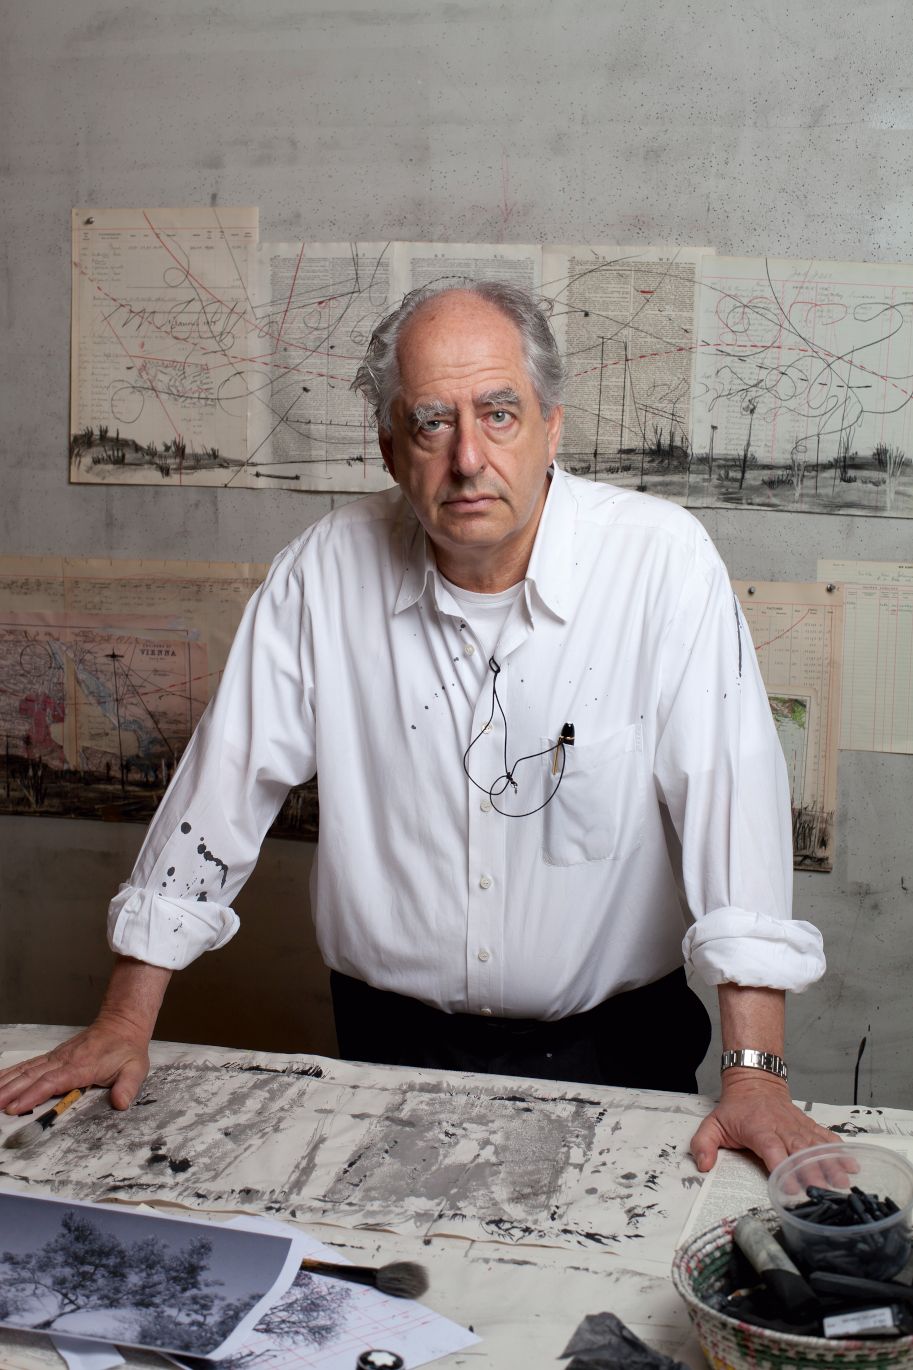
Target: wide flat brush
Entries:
(402, 1279)
(41, 1126)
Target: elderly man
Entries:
(548, 771)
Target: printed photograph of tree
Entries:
(138, 1279)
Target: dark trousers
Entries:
(649, 1038)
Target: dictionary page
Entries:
(421, 264)
(316, 307)
(802, 386)
(624, 319)
(161, 320)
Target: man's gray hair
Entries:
(378, 380)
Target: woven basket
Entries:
(700, 1267)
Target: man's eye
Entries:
(431, 426)
(500, 416)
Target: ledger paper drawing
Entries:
(797, 631)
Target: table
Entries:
(531, 1203)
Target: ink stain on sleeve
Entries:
(185, 827)
(207, 855)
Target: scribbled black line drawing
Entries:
(792, 365)
(812, 353)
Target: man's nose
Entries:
(468, 455)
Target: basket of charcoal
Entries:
(824, 1278)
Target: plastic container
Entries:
(876, 1249)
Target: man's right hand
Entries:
(100, 1055)
(113, 1051)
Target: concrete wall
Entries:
(757, 128)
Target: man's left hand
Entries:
(756, 1114)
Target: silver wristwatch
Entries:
(757, 1060)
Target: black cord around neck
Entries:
(500, 784)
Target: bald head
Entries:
(378, 377)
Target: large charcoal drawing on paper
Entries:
(448, 1156)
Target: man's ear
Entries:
(553, 425)
(385, 443)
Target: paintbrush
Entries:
(38, 1127)
(402, 1279)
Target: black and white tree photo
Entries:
(121, 1276)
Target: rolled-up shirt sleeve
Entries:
(720, 771)
(253, 743)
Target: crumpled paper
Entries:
(602, 1342)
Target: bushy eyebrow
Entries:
(437, 409)
(492, 398)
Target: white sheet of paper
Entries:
(87, 1355)
(327, 1323)
(877, 709)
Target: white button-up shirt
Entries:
(663, 832)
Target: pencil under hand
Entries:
(402, 1279)
(39, 1127)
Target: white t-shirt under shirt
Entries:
(670, 835)
(485, 614)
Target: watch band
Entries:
(756, 1060)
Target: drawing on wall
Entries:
(803, 383)
(201, 356)
(316, 305)
(161, 325)
(106, 669)
(877, 709)
(797, 632)
(624, 320)
(94, 717)
(791, 718)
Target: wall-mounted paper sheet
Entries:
(105, 669)
(877, 712)
(797, 633)
(803, 386)
(161, 321)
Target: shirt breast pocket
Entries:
(597, 813)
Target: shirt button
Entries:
(485, 806)
(485, 882)
(485, 1012)
(487, 728)
(484, 955)
(468, 649)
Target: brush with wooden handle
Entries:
(402, 1279)
(41, 1126)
